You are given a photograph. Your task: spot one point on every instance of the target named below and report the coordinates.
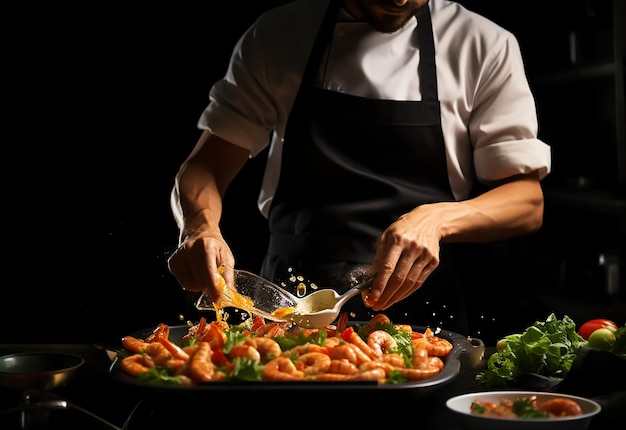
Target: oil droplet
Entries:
(301, 289)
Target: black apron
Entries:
(350, 167)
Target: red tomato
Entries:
(347, 333)
(218, 357)
(589, 327)
(257, 323)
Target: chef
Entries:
(395, 129)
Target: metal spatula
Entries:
(264, 296)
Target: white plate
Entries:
(460, 406)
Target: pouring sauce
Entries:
(230, 297)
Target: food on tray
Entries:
(527, 407)
(254, 350)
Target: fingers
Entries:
(228, 272)
(406, 254)
(195, 265)
(178, 265)
(396, 283)
(424, 273)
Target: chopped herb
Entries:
(160, 375)
(524, 407)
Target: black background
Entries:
(100, 110)
(103, 107)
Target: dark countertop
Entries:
(91, 389)
(121, 405)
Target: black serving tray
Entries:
(466, 350)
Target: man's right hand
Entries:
(196, 261)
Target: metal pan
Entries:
(38, 370)
(465, 350)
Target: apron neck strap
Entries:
(427, 70)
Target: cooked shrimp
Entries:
(420, 357)
(355, 339)
(332, 342)
(376, 322)
(189, 349)
(394, 359)
(404, 327)
(376, 364)
(375, 374)
(196, 330)
(433, 344)
(273, 329)
(135, 364)
(342, 366)
(176, 351)
(561, 407)
(422, 368)
(133, 344)
(212, 332)
(185, 380)
(159, 354)
(418, 374)
(313, 363)
(343, 352)
(342, 322)
(331, 377)
(201, 368)
(381, 342)
(304, 349)
(245, 350)
(361, 357)
(214, 335)
(175, 363)
(281, 369)
(267, 347)
(435, 361)
(162, 331)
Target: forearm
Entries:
(201, 183)
(196, 202)
(510, 210)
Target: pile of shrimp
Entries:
(344, 354)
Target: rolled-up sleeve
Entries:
(254, 98)
(510, 158)
(240, 109)
(503, 126)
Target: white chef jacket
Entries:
(488, 113)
